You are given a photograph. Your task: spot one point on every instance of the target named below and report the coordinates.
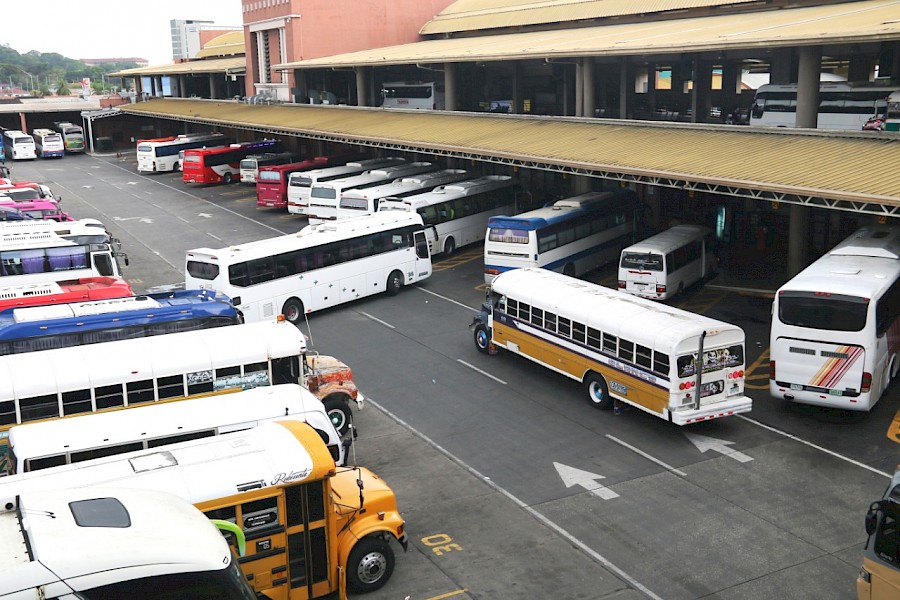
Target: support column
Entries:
(517, 105)
(624, 109)
(797, 239)
(361, 88)
(451, 79)
(889, 61)
(181, 82)
(651, 87)
(860, 68)
(808, 86)
(23, 124)
(301, 93)
(701, 75)
(588, 104)
(213, 85)
(579, 87)
(731, 86)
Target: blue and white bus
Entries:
(32, 328)
(571, 236)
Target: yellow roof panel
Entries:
(227, 44)
(806, 163)
(849, 22)
(471, 15)
(236, 64)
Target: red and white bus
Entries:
(223, 164)
(272, 180)
(64, 292)
(162, 155)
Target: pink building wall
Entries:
(314, 28)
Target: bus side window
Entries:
(102, 262)
(286, 370)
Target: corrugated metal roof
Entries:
(472, 15)
(236, 64)
(850, 22)
(832, 166)
(227, 44)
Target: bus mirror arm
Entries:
(872, 517)
(699, 370)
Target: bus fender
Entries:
(384, 529)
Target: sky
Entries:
(107, 28)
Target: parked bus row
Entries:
(42, 142)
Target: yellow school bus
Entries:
(311, 529)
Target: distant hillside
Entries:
(48, 68)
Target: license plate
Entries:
(836, 392)
(796, 387)
(712, 388)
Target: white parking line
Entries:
(474, 368)
(534, 513)
(377, 320)
(647, 456)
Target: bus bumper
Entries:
(728, 408)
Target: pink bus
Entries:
(38, 209)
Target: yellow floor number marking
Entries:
(758, 372)
(894, 430)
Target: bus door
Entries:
(309, 571)
(423, 257)
(265, 560)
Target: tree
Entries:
(62, 89)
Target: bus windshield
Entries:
(831, 312)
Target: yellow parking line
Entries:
(751, 374)
(449, 594)
(893, 432)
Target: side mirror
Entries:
(872, 518)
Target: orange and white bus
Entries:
(670, 363)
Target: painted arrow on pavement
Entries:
(704, 443)
(572, 476)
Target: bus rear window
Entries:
(145, 148)
(510, 236)
(269, 176)
(830, 312)
(202, 270)
(642, 260)
(193, 158)
(301, 182)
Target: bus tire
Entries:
(369, 565)
(449, 246)
(175, 167)
(292, 310)
(482, 339)
(598, 392)
(339, 413)
(227, 178)
(569, 270)
(394, 283)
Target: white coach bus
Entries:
(300, 184)
(835, 339)
(318, 267)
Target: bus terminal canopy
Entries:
(838, 170)
(846, 23)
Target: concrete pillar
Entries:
(624, 108)
(181, 82)
(731, 86)
(451, 80)
(701, 75)
(889, 60)
(582, 184)
(798, 230)
(213, 85)
(302, 90)
(651, 87)
(587, 77)
(579, 87)
(361, 88)
(23, 124)
(781, 66)
(808, 86)
(860, 68)
(517, 106)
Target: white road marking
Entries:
(474, 368)
(377, 320)
(647, 456)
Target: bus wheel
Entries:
(598, 392)
(569, 270)
(482, 339)
(449, 246)
(370, 565)
(175, 167)
(227, 178)
(394, 283)
(339, 413)
(292, 310)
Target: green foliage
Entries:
(47, 67)
(62, 89)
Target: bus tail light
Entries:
(488, 271)
(866, 382)
(621, 284)
(771, 369)
(660, 288)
